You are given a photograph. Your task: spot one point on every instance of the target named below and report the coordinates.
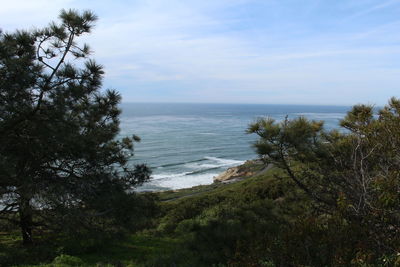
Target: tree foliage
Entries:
(353, 173)
(61, 165)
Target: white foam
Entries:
(180, 182)
(169, 176)
(226, 162)
(217, 163)
(191, 178)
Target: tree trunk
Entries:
(25, 217)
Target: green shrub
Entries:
(66, 261)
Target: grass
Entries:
(135, 250)
(261, 183)
(187, 192)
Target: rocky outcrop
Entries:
(239, 172)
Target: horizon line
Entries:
(237, 103)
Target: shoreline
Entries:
(231, 175)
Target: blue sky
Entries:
(339, 52)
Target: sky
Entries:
(329, 52)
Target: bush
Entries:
(66, 261)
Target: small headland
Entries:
(235, 174)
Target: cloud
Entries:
(238, 50)
(27, 14)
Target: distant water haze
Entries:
(188, 144)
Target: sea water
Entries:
(188, 144)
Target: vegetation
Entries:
(354, 173)
(328, 198)
(61, 167)
(264, 220)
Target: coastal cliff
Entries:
(248, 169)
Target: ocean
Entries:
(188, 144)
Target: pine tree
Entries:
(353, 172)
(61, 165)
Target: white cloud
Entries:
(223, 57)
